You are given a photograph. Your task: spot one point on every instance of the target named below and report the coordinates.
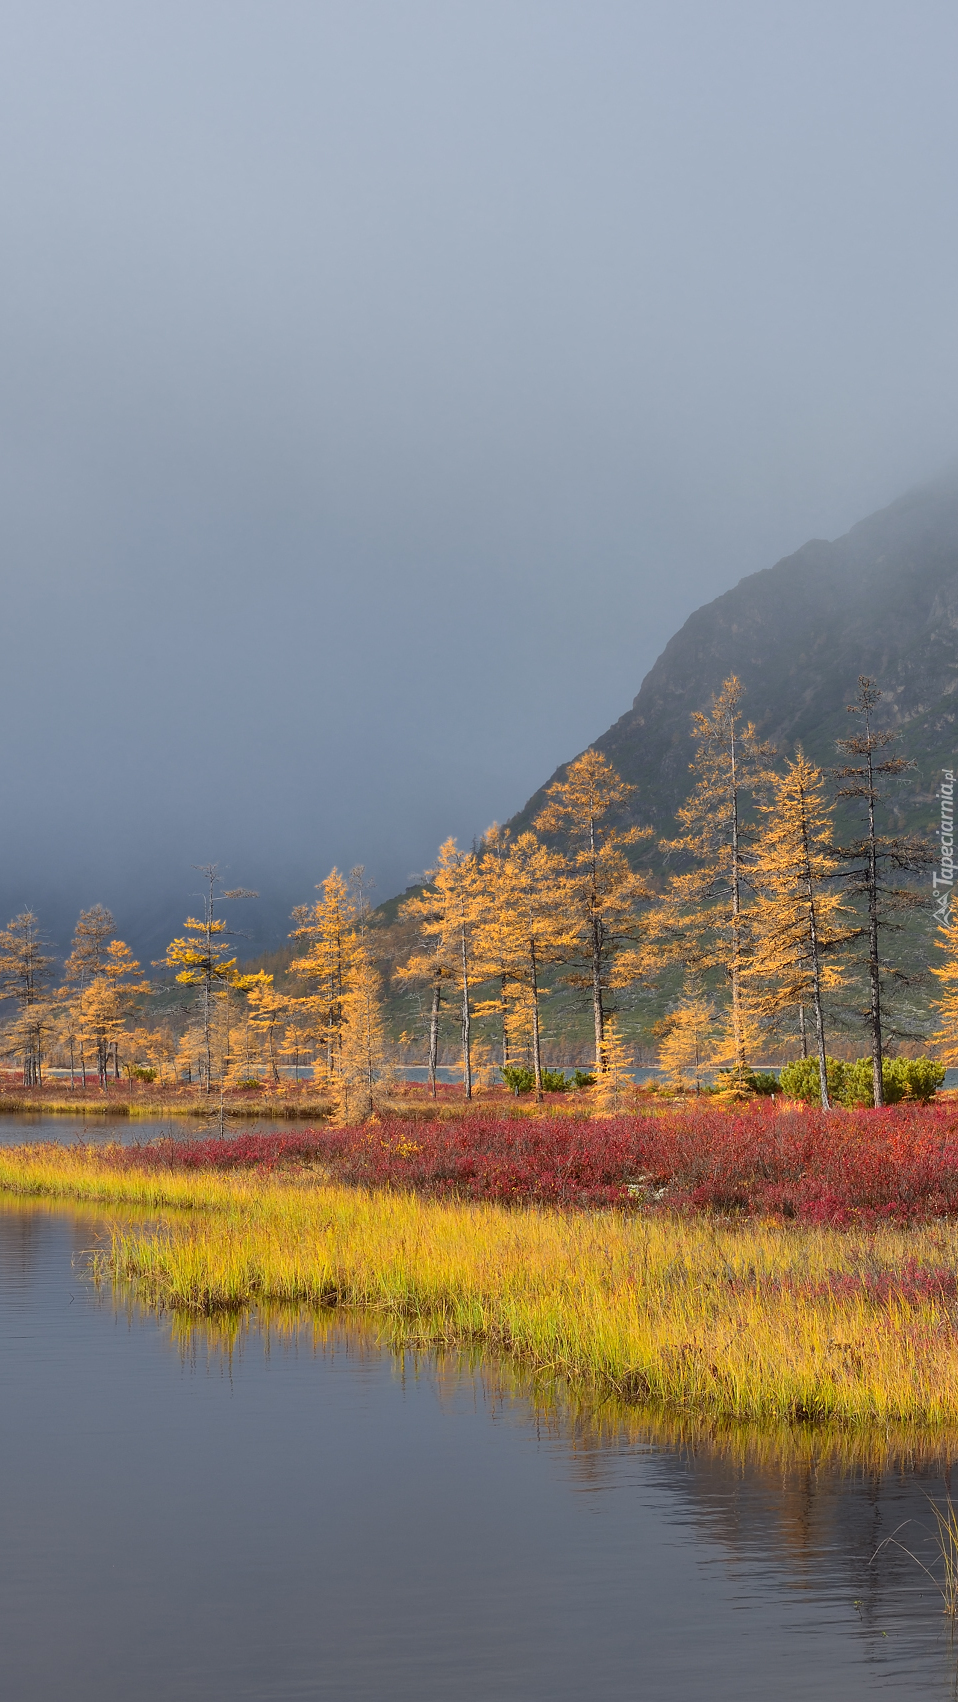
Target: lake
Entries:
(193, 1514)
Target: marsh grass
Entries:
(122, 1101)
(757, 1321)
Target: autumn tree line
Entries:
(764, 922)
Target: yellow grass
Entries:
(155, 1101)
(683, 1313)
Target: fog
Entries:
(383, 383)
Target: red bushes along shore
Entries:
(898, 1165)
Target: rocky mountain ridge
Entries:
(881, 601)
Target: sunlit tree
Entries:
(200, 958)
(703, 921)
(269, 1010)
(434, 965)
(453, 921)
(602, 890)
(799, 923)
(327, 930)
(24, 976)
(363, 1060)
(689, 1043)
(527, 922)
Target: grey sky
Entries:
(383, 383)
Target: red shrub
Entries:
(900, 1164)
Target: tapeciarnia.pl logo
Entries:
(943, 879)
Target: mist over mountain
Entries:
(882, 600)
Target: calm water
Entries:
(188, 1519)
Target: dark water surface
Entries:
(309, 1515)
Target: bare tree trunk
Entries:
(466, 1028)
(536, 1046)
(738, 1033)
(598, 1009)
(874, 968)
(72, 1066)
(817, 997)
(208, 1030)
(434, 1035)
(803, 1029)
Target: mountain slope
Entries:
(882, 600)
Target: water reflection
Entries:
(283, 1505)
(811, 1507)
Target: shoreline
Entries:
(759, 1321)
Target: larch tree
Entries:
(689, 1044)
(601, 888)
(24, 976)
(91, 939)
(434, 966)
(100, 989)
(945, 1037)
(269, 1010)
(703, 922)
(87, 957)
(328, 929)
(525, 926)
(200, 959)
(455, 895)
(364, 1063)
(799, 921)
(118, 976)
(615, 1079)
(875, 862)
(298, 1040)
(493, 854)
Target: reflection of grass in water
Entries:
(565, 1409)
(719, 1322)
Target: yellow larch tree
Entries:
(191, 1054)
(614, 1080)
(24, 976)
(496, 946)
(155, 1049)
(689, 1045)
(703, 921)
(434, 966)
(453, 921)
(363, 1055)
(100, 993)
(299, 1040)
(269, 1010)
(199, 956)
(945, 1037)
(602, 889)
(94, 930)
(798, 923)
(527, 923)
(327, 928)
